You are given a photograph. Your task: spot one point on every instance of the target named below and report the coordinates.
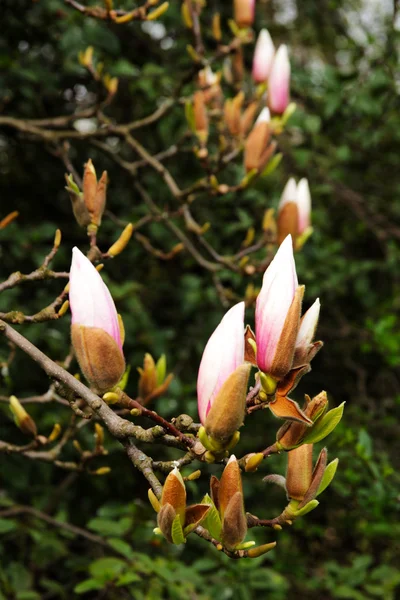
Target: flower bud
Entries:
(223, 354)
(305, 349)
(299, 471)
(174, 493)
(278, 314)
(257, 147)
(226, 414)
(263, 57)
(244, 11)
(279, 81)
(230, 505)
(94, 194)
(95, 331)
(22, 420)
(148, 377)
(294, 210)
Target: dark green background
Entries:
(345, 138)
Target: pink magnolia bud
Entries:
(279, 81)
(263, 57)
(277, 313)
(303, 205)
(294, 209)
(222, 355)
(95, 328)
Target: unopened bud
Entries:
(260, 550)
(99, 356)
(253, 461)
(55, 433)
(299, 471)
(22, 420)
(227, 412)
(102, 471)
(122, 241)
(244, 12)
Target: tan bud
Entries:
(234, 524)
(299, 471)
(100, 199)
(174, 494)
(227, 412)
(22, 420)
(165, 519)
(8, 219)
(255, 145)
(99, 357)
(288, 222)
(229, 484)
(283, 358)
(216, 27)
(200, 116)
(89, 187)
(232, 112)
(247, 118)
(148, 377)
(243, 11)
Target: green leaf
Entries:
(7, 525)
(328, 475)
(272, 165)
(161, 368)
(177, 532)
(107, 568)
(307, 508)
(323, 427)
(212, 522)
(121, 547)
(127, 578)
(87, 586)
(189, 114)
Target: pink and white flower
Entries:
(300, 195)
(272, 308)
(279, 81)
(263, 57)
(90, 300)
(222, 355)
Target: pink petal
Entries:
(263, 56)
(273, 302)
(223, 353)
(90, 300)
(279, 81)
(308, 326)
(289, 193)
(303, 204)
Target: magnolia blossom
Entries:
(300, 198)
(279, 81)
(272, 309)
(222, 355)
(90, 300)
(263, 57)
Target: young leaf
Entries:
(324, 426)
(328, 475)
(177, 532)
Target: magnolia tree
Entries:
(233, 117)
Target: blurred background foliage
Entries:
(345, 139)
